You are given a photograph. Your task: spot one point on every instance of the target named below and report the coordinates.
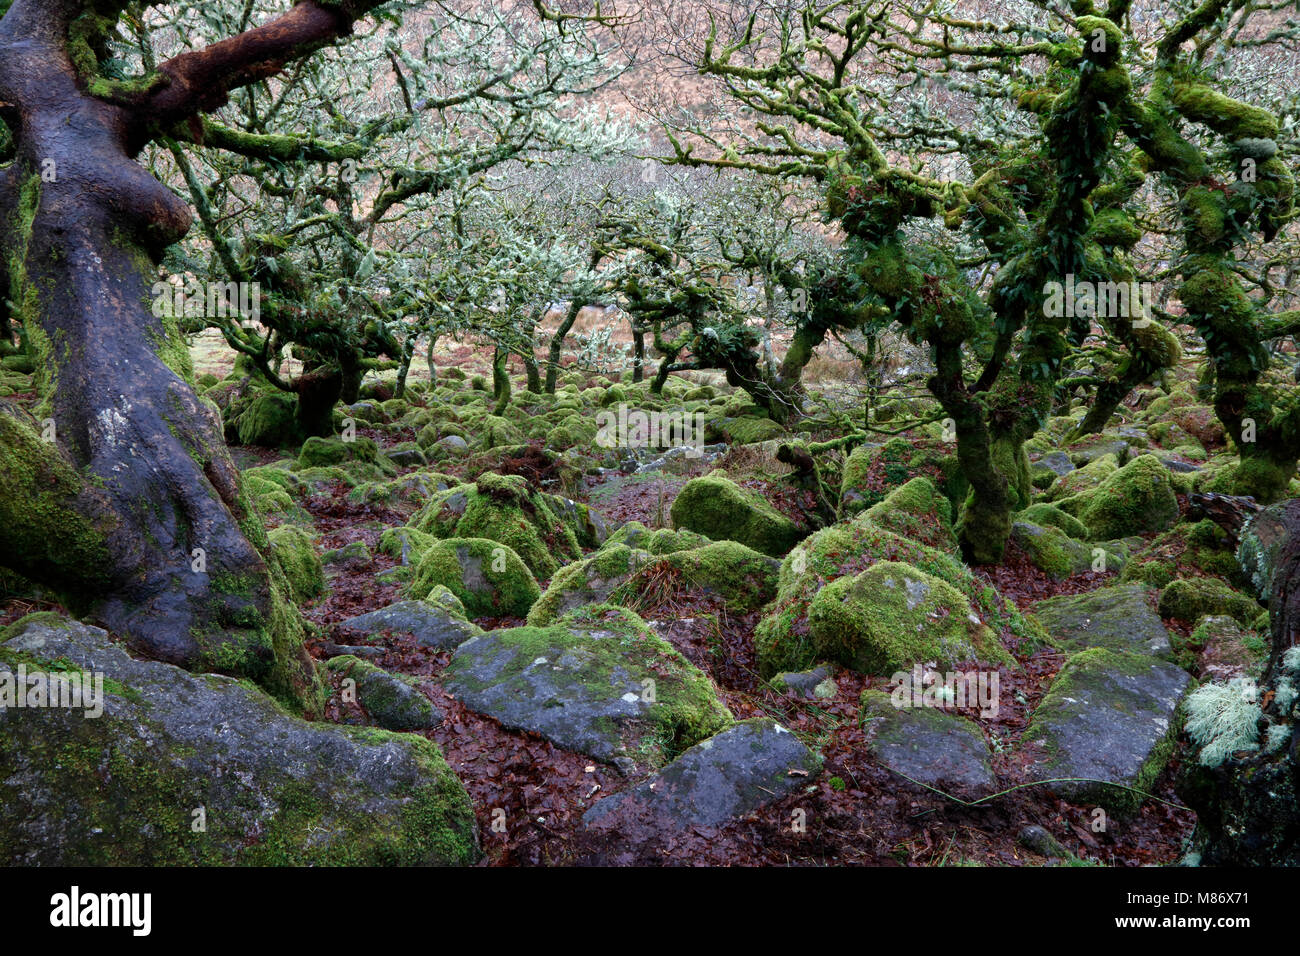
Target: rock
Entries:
(123, 788)
(717, 507)
(1117, 617)
(505, 509)
(1051, 550)
(487, 577)
(893, 615)
(1100, 449)
(406, 457)
(429, 623)
(1135, 499)
(1037, 840)
(393, 701)
(723, 778)
(1179, 467)
(1108, 716)
(1057, 462)
(269, 420)
(814, 684)
(741, 578)
(352, 555)
(1189, 598)
(937, 749)
(598, 682)
(1047, 469)
(840, 553)
(916, 510)
(452, 445)
(330, 649)
(1221, 649)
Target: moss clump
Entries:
(918, 511)
(891, 616)
(505, 509)
(846, 549)
(750, 430)
(407, 545)
(1081, 480)
(717, 507)
(293, 551)
(1184, 551)
(487, 577)
(1051, 550)
(659, 541)
(269, 420)
(1188, 599)
(1137, 498)
(1053, 517)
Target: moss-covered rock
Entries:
(269, 419)
(1118, 618)
(598, 682)
(295, 553)
(541, 529)
(1137, 498)
(891, 616)
(725, 571)
(1186, 550)
(487, 577)
(1106, 727)
(1087, 478)
(124, 788)
(717, 507)
(1190, 598)
(1052, 551)
(918, 511)
(749, 430)
(392, 701)
(1051, 516)
(782, 638)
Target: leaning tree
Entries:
(120, 493)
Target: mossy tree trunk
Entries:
(85, 225)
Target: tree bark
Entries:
(85, 228)
(1248, 809)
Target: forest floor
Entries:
(860, 812)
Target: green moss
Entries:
(294, 552)
(782, 639)
(1137, 498)
(269, 420)
(916, 510)
(1188, 599)
(717, 507)
(891, 616)
(487, 577)
(1184, 550)
(1053, 517)
(55, 531)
